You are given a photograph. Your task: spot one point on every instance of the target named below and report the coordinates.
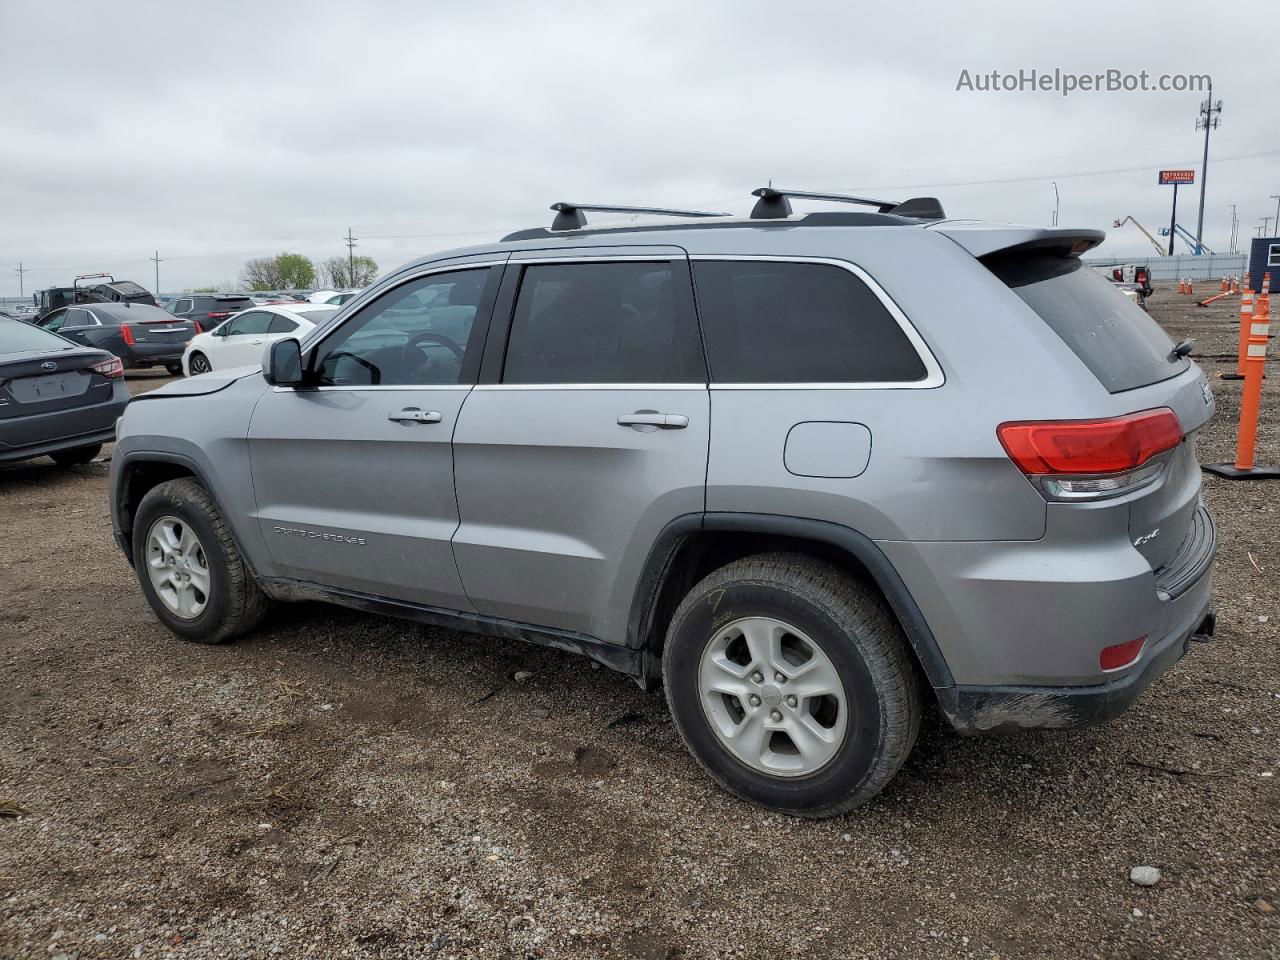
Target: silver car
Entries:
(807, 471)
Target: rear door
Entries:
(586, 436)
(354, 475)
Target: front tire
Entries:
(175, 369)
(189, 566)
(791, 684)
(198, 363)
(76, 455)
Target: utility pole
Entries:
(1208, 119)
(20, 271)
(1235, 228)
(157, 261)
(1055, 203)
(351, 258)
(1276, 198)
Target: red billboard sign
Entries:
(1177, 176)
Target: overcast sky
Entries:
(219, 132)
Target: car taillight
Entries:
(198, 329)
(218, 316)
(1090, 459)
(1121, 654)
(127, 333)
(111, 368)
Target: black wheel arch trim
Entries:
(662, 552)
(118, 519)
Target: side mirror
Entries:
(282, 365)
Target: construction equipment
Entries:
(1197, 248)
(1117, 224)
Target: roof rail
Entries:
(569, 216)
(774, 204)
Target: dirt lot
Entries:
(339, 785)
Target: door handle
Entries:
(414, 415)
(648, 418)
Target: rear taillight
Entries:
(1091, 459)
(111, 368)
(126, 332)
(1122, 654)
(198, 329)
(218, 316)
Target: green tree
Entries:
(285, 271)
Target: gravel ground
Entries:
(339, 785)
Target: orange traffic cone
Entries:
(1255, 358)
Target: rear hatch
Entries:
(1134, 360)
(164, 330)
(218, 309)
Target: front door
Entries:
(587, 435)
(354, 473)
(240, 340)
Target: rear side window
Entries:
(620, 322)
(281, 324)
(777, 322)
(1114, 337)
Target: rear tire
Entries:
(189, 566)
(76, 455)
(175, 369)
(824, 705)
(198, 363)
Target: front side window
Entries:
(780, 322)
(54, 322)
(612, 322)
(419, 334)
(182, 306)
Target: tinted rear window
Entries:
(770, 322)
(19, 337)
(1114, 337)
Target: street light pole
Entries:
(1055, 203)
(1276, 198)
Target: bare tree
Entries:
(337, 272)
(261, 273)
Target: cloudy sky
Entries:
(218, 132)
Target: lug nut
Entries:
(775, 716)
(779, 678)
(753, 700)
(758, 677)
(791, 702)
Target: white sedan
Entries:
(239, 340)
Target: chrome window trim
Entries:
(590, 386)
(354, 387)
(933, 377)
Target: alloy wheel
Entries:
(178, 567)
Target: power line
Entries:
(1208, 119)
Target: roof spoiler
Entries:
(774, 204)
(982, 240)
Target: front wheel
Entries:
(791, 684)
(199, 364)
(175, 369)
(189, 566)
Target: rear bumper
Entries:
(34, 436)
(148, 355)
(980, 710)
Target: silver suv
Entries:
(811, 472)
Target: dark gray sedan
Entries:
(139, 334)
(56, 398)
